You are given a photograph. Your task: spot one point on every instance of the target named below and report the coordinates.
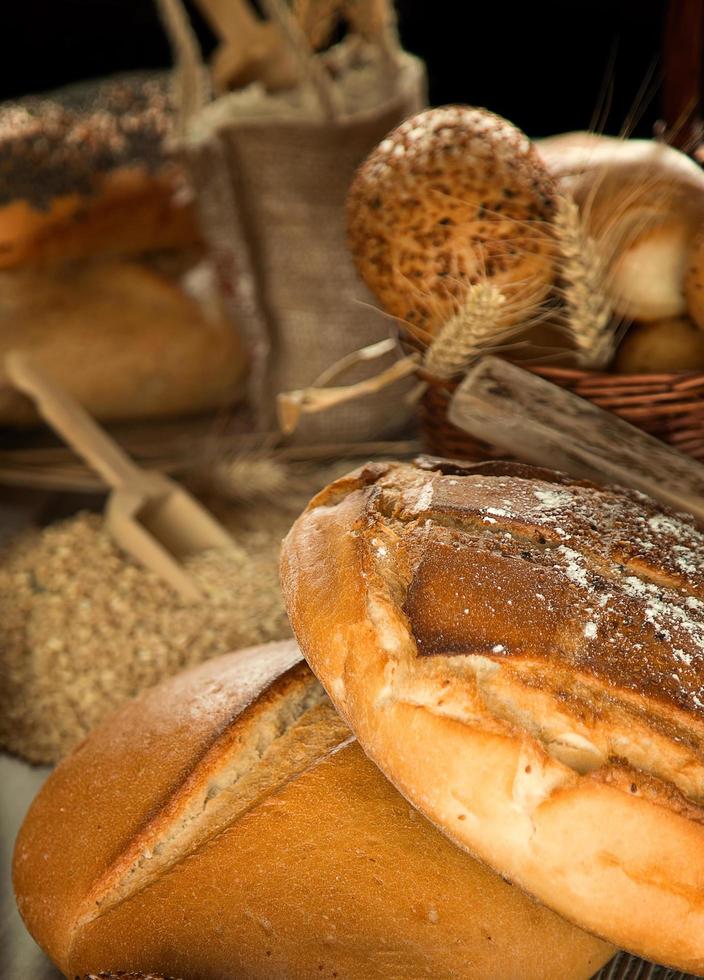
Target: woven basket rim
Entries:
(669, 406)
(680, 378)
(664, 377)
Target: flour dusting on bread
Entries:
(525, 662)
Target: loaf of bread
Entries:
(523, 656)
(125, 340)
(226, 825)
(99, 248)
(85, 173)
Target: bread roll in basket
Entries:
(476, 239)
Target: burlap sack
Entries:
(271, 196)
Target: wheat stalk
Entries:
(475, 324)
(249, 476)
(589, 310)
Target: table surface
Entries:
(20, 957)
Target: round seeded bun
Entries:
(453, 197)
(523, 656)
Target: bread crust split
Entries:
(227, 825)
(523, 655)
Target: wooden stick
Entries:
(682, 81)
(190, 87)
(543, 424)
(311, 68)
(248, 45)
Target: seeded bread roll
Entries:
(523, 656)
(454, 197)
(226, 825)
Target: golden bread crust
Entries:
(522, 655)
(131, 211)
(325, 871)
(126, 341)
(694, 282)
(94, 779)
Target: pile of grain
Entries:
(84, 627)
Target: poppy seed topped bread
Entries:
(87, 171)
(523, 655)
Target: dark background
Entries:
(548, 66)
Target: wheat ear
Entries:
(589, 311)
(474, 326)
(249, 477)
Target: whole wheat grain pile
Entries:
(83, 628)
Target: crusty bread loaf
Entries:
(523, 656)
(226, 825)
(90, 203)
(130, 212)
(128, 342)
(86, 172)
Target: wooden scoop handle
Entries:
(234, 20)
(73, 423)
(538, 422)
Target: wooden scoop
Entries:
(538, 422)
(148, 515)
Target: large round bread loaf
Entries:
(523, 656)
(226, 825)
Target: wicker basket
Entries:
(669, 406)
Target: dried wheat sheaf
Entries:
(583, 273)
